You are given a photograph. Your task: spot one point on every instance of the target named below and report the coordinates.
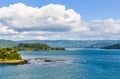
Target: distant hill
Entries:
(35, 47)
(7, 43)
(74, 43)
(63, 43)
(115, 46)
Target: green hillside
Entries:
(35, 47)
(74, 43)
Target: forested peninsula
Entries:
(35, 47)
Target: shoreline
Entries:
(13, 62)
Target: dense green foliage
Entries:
(115, 46)
(9, 54)
(35, 47)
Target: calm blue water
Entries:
(82, 64)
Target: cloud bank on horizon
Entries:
(53, 22)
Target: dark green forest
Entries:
(35, 47)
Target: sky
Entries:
(60, 19)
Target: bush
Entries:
(9, 54)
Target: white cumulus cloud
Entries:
(52, 17)
(52, 21)
(6, 30)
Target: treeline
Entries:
(9, 54)
(35, 47)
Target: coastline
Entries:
(13, 61)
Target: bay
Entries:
(79, 64)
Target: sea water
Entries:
(79, 64)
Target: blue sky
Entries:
(60, 19)
(89, 9)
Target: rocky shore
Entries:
(48, 61)
(13, 62)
